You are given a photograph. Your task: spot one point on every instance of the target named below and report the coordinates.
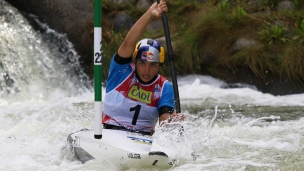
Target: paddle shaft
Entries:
(172, 67)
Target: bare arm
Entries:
(127, 47)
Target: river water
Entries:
(44, 96)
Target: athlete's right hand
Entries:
(158, 9)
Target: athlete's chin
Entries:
(146, 79)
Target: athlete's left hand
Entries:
(177, 117)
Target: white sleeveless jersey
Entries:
(134, 105)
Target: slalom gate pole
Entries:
(97, 70)
(170, 55)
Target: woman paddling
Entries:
(136, 95)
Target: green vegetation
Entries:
(204, 37)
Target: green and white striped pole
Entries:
(97, 70)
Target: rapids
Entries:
(45, 96)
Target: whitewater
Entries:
(45, 96)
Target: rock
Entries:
(155, 26)
(144, 5)
(123, 22)
(286, 5)
(123, 3)
(242, 43)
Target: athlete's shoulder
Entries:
(120, 60)
(166, 84)
(163, 79)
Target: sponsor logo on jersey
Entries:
(156, 91)
(140, 94)
(157, 88)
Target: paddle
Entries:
(170, 55)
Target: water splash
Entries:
(33, 63)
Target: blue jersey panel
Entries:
(167, 98)
(117, 73)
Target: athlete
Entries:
(136, 95)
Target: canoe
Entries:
(122, 149)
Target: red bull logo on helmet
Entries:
(149, 56)
(147, 53)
